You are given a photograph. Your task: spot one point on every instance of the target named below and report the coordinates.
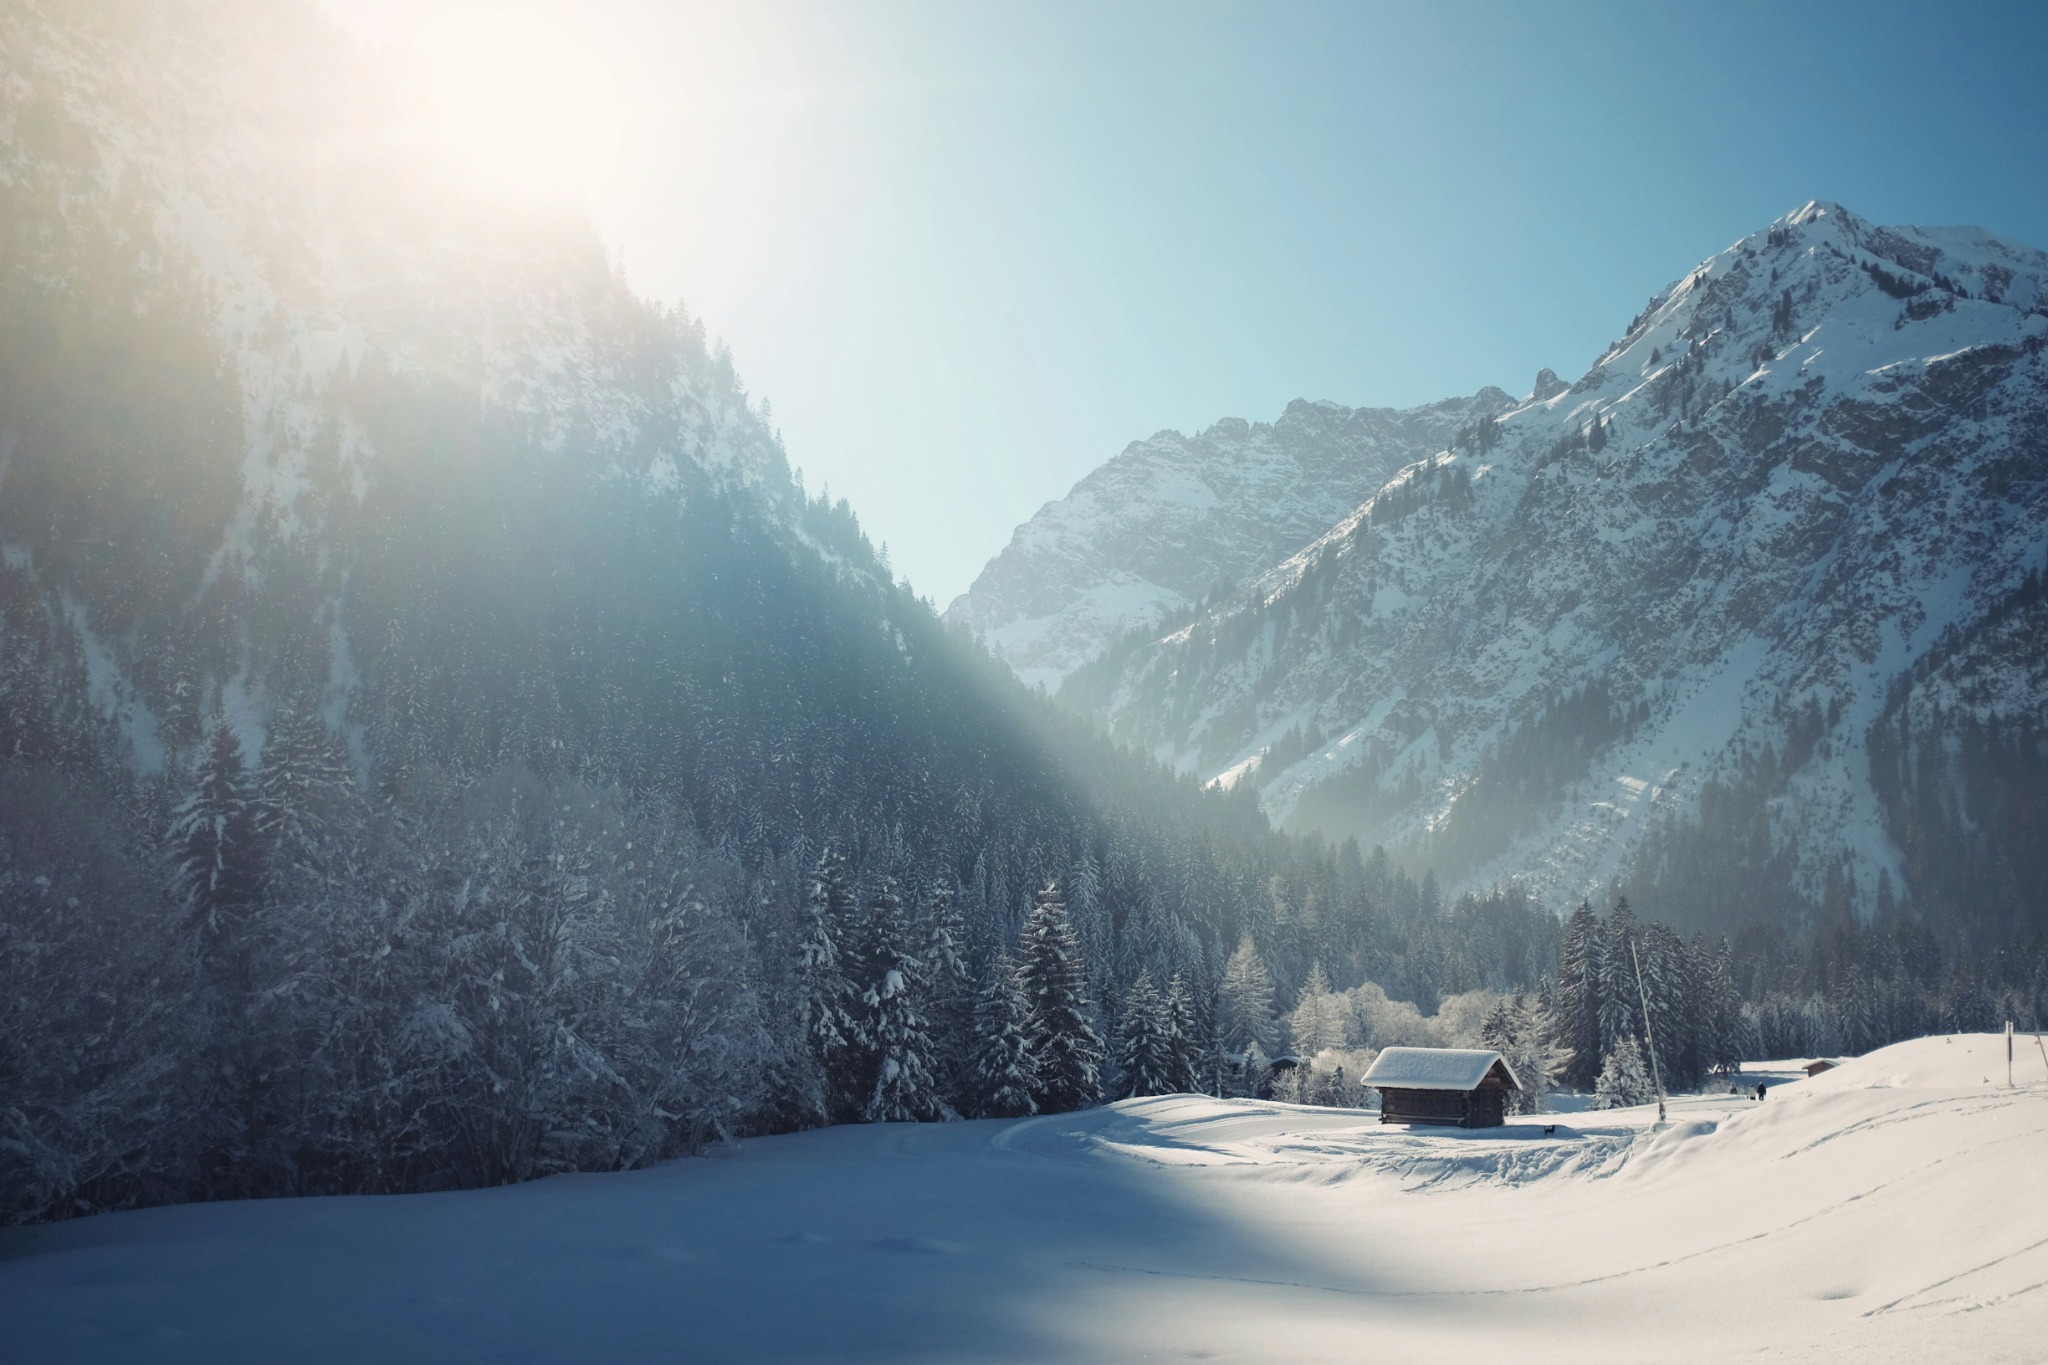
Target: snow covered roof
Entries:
(1436, 1068)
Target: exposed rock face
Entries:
(1159, 527)
(1799, 508)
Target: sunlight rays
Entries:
(520, 102)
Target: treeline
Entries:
(1843, 987)
(269, 981)
(1627, 1005)
(276, 984)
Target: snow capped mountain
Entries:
(1760, 591)
(308, 236)
(1161, 526)
(329, 322)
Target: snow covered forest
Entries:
(286, 986)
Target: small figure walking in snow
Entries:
(1759, 1089)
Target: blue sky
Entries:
(969, 251)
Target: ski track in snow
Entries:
(1962, 1275)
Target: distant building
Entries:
(1814, 1068)
(1465, 1087)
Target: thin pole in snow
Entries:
(1656, 1072)
(2008, 1054)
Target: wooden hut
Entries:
(1815, 1067)
(1465, 1087)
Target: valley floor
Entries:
(1890, 1210)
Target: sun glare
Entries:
(521, 102)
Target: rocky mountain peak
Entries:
(1711, 578)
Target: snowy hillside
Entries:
(1780, 547)
(1885, 1211)
(1156, 529)
(295, 225)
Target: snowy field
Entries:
(1895, 1209)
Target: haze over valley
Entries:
(499, 860)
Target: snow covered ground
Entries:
(1892, 1209)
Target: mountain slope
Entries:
(1651, 626)
(1157, 529)
(289, 419)
(425, 693)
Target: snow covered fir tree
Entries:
(1060, 1039)
(1002, 1082)
(1624, 1080)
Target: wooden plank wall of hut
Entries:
(1485, 1107)
(1422, 1106)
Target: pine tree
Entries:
(1254, 1071)
(305, 792)
(1186, 1033)
(213, 836)
(1670, 1021)
(1145, 1054)
(1066, 1052)
(1318, 1022)
(1721, 1019)
(1001, 1075)
(220, 872)
(1523, 1032)
(1578, 995)
(949, 994)
(1624, 1079)
(905, 1090)
(1620, 1002)
(1245, 1002)
(1497, 1030)
(823, 987)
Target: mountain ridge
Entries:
(1157, 528)
(1757, 510)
